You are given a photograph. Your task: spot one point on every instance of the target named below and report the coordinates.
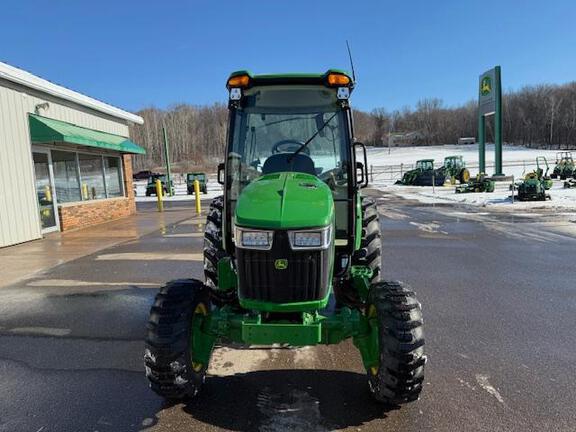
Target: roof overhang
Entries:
(47, 130)
(26, 79)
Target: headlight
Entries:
(311, 239)
(253, 239)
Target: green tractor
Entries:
(565, 167)
(481, 183)
(535, 184)
(455, 169)
(423, 175)
(202, 180)
(292, 251)
(151, 185)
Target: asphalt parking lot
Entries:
(498, 293)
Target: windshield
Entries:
(199, 177)
(275, 122)
(425, 165)
(153, 179)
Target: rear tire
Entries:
(400, 375)
(214, 251)
(370, 254)
(168, 357)
(464, 176)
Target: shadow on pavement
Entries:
(310, 400)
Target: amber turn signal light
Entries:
(238, 81)
(335, 80)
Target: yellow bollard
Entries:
(159, 195)
(197, 193)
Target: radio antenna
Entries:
(351, 62)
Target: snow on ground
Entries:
(516, 160)
(500, 199)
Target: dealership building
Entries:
(65, 158)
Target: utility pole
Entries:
(167, 157)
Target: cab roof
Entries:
(290, 78)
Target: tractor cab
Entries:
(196, 176)
(454, 162)
(565, 166)
(425, 165)
(291, 136)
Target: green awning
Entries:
(43, 130)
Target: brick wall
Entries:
(87, 213)
(84, 214)
(128, 184)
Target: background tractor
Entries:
(151, 185)
(292, 250)
(565, 167)
(455, 169)
(535, 184)
(202, 180)
(423, 175)
(481, 183)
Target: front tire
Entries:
(168, 357)
(400, 375)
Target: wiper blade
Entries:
(309, 140)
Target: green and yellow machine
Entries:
(535, 184)
(455, 169)
(151, 185)
(292, 250)
(202, 181)
(423, 175)
(565, 166)
(481, 183)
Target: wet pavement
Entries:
(499, 298)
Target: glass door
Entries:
(45, 190)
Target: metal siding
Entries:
(19, 217)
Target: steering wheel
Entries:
(289, 146)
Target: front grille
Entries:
(305, 279)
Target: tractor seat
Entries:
(279, 163)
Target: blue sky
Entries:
(134, 54)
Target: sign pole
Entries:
(498, 125)
(490, 104)
(167, 157)
(482, 144)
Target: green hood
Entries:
(285, 201)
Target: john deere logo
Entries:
(485, 86)
(281, 264)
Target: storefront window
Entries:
(65, 176)
(92, 176)
(82, 176)
(113, 176)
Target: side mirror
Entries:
(362, 179)
(221, 173)
(360, 173)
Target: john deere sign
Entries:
(486, 86)
(490, 103)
